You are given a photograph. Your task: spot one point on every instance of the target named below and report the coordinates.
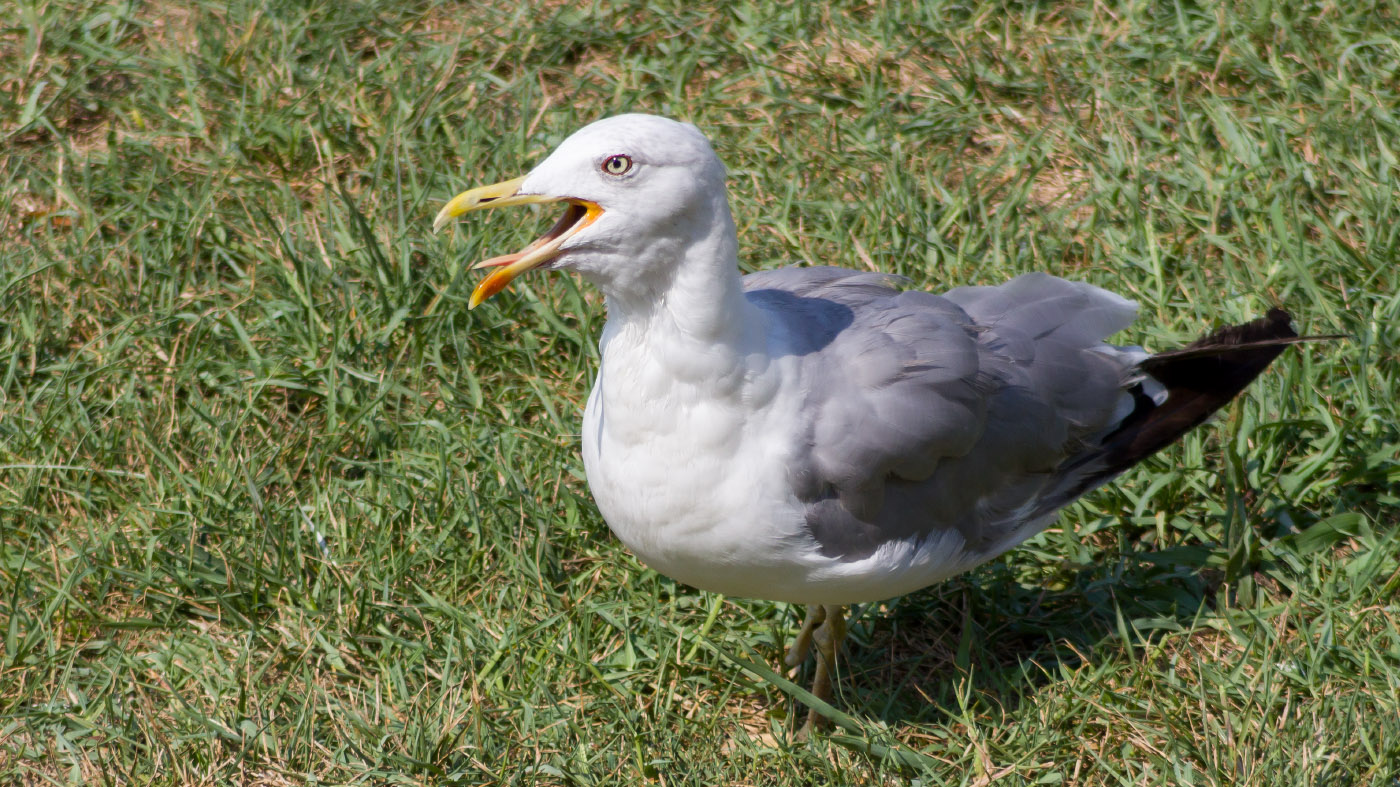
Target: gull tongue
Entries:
(504, 259)
(560, 226)
(537, 254)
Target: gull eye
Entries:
(617, 165)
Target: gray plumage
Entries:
(927, 412)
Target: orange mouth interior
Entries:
(577, 216)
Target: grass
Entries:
(275, 509)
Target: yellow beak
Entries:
(580, 214)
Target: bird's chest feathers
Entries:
(652, 410)
(665, 431)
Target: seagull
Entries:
(825, 436)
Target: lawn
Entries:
(276, 509)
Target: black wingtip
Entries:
(1200, 378)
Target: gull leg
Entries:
(801, 646)
(828, 639)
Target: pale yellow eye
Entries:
(617, 165)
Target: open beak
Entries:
(579, 214)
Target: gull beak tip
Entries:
(504, 193)
(441, 220)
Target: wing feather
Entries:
(927, 412)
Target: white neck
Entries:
(683, 292)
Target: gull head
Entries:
(640, 193)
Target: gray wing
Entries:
(929, 412)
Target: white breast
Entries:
(686, 470)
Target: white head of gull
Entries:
(816, 435)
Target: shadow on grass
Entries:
(990, 639)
